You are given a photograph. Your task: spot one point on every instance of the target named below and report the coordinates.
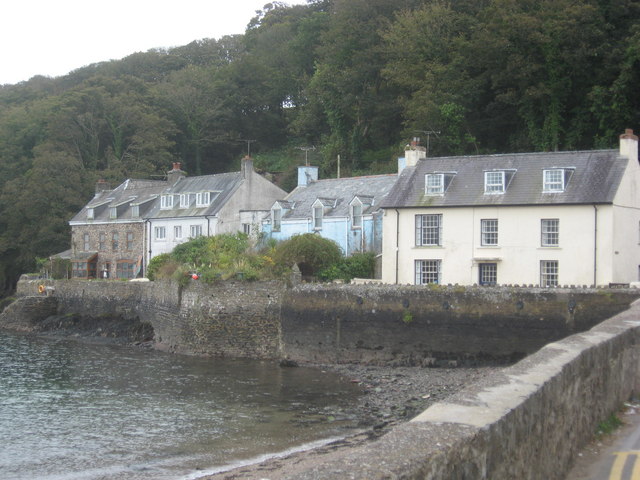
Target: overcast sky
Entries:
(53, 37)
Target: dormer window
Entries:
(356, 214)
(276, 215)
(113, 213)
(318, 214)
(434, 184)
(555, 180)
(184, 200)
(135, 211)
(166, 201)
(437, 183)
(90, 214)
(494, 182)
(203, 199)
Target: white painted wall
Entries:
(170, 241)
(519, 249)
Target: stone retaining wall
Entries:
(426, 326)
(526, 422)
(226, 319)
(382, 324)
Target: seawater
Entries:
(70, 410)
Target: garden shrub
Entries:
(310, 251)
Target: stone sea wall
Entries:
(527, 421)
(369, 324)
(413, 325)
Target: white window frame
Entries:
(494, 182)
(553, 180)
(434, 183)
(166, 202)
(549, 273)
(276, 217)
(428, 271)
(184, 200)
(86, 243)
(428, 230)
(489, 232)
(203, 199)
(90, 213)
(159, 233)
(135, 211)
(113, 213)
(195, 231)
(488, 274)
(177, 231)
(318, 215)
(356, 214)
(550, 232)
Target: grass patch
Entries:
(609, 425)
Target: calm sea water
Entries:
(75, 411)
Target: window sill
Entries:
(489, 247)
(421, 247)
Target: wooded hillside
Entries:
(355, 78)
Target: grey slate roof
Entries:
(141, 192)
(595, 179)
(221, 186)
(339, 191)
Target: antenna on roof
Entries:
(428, 133)
(306, 153)
(249, 142)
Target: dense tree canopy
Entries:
(355, 78)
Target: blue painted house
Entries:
(345, 210)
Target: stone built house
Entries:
(120, 230)
(209, 205)
(107, 235)
(345, 210)
(547, 219)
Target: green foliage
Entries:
(609, 425)
(60, 268)
(312, 253)
(156, 264)
(358, 265)
(217, 258)
(407, 317)
(355, 78)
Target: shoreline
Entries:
(391, 396)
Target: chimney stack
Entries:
(629, 145)
(412, 154)
(102, 186)
(175, 173)
(246, 166)
(307, 175)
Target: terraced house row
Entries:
(547, 219)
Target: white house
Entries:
(548, 219)
(208, 205)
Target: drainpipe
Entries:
(595, 244)
(397, 241)
(148, 239)
(346, 236)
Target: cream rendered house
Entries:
(547, 219)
